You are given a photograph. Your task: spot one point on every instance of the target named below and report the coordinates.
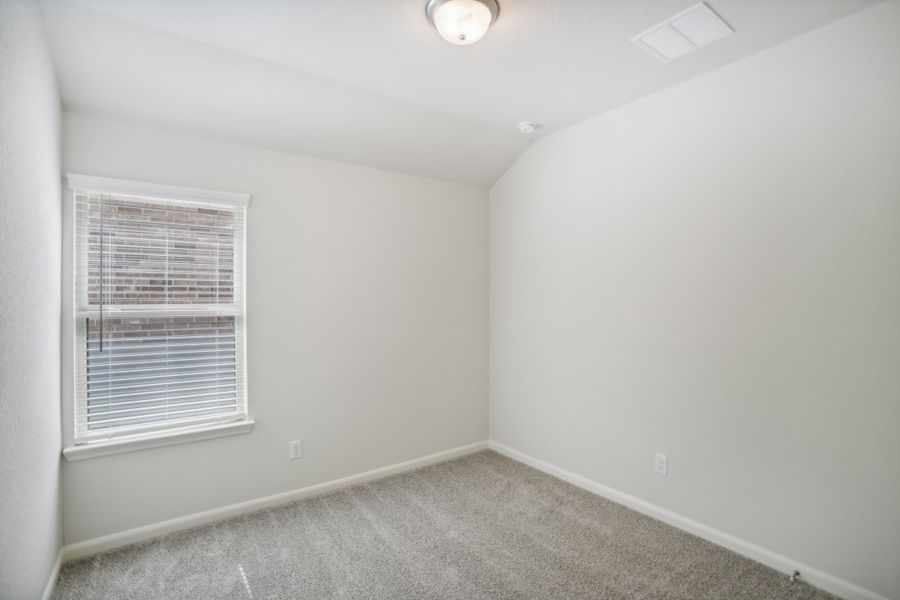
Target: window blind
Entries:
(159, 314)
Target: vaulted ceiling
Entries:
(370, 82)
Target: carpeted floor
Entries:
(482, 526)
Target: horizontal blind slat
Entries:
(157, 406)
(177, 415)
(166, 385)
(126, 396)
(148, 373)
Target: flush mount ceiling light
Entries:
(462, 22)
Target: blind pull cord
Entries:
(101, 273)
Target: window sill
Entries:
(156, 440)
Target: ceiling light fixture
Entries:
(462, 22)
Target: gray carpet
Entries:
(482, 526)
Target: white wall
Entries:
(366, 325)
(29, 304)
(713, 272)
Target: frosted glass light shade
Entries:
(462, 22)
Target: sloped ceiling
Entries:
(369, 82)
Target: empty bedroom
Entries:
(449, 300)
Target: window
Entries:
(159, 311)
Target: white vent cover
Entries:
(685, 32)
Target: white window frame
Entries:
(73, 308)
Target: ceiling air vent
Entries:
(685, 32)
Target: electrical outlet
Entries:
(661, 464)
(295, 449)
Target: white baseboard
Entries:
(820, 579)
(140, 534)
(54, 574)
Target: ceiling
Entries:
(370, 82)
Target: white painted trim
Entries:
(54, 575)
(140, 534)
(155, 191)
(157, 439)
(820, 579)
